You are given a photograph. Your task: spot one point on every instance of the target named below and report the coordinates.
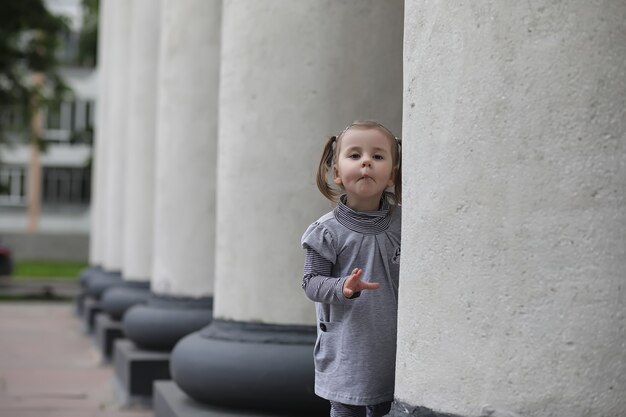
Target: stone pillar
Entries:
(97, 232)
(185, 170)
(117, 117)
(139, 173)
(98, 174)
(514, 230)
(292, 74)
(141, 140)
(112, 196)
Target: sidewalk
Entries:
(38, 289)
(49, 368)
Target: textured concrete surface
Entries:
(49, 369)
(512, 287)
(142, 96)
(170, 401)
(116, 113)
(185, 176)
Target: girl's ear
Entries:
(392, 179)
(336, 177)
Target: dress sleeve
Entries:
(317, 283)
(319, 238)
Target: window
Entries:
(69, 121)
(12, 186)
(66, 186)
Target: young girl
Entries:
(351, 270)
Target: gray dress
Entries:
(356, 345)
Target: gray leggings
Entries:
(346, 410)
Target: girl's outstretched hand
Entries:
(354, 284)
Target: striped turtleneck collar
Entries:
(366, 222)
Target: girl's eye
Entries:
(378, 157)
(354, 156)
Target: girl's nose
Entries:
(366, 162)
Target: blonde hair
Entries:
(331, 151)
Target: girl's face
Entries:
(364, 166)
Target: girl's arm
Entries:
(318, 284)
(320, 287)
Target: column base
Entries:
(91, 307)
(92, 284)
(163, 321)
(83, 278)
(171, 401)
(85, 275)
(136, 370)
(261, 367)
(107, 331)
(118, 299)
(400, 409)
(99, 283)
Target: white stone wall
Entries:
(514, 229)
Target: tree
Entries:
(88, 41)
(29, 37)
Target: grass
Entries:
(47, 269)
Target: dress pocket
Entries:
(327, 352)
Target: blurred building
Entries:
(63, 223)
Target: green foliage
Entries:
(88, 40)
(29, 38)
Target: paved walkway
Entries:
(49, 368)
(39, 289)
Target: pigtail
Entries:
(397, 177)
(326, 164)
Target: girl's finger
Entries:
(370, 285)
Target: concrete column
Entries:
(184, 208)
(117, 117)
(512, 295)
(98, 175)
(115, 130)
(292, 74)
(139, 143)
(141, 140)
(186, 147)
(139, 174)
(110, 199)
(97, 232)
